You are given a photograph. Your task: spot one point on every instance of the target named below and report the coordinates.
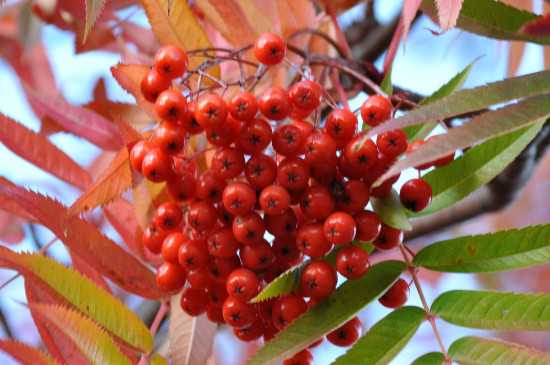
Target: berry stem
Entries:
(430, 316)
(323, 35)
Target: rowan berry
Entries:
(274, 200)
(171, 246)
(170, 137)
(222, 243)
(376, 110)
(171, 106)
(388, 238)
(228, 163)
(194, 301)
(392, 143)
(286, 309)
(303, 357)
(352, 262)
(368, 226)
(170, 278)
(193, 255)
(168, 216)
(255, 135)
(171, 61)
(347, 334)
(416, 195)
(243, 284)
(211, 111)
(311, 240)
(288, 140)
(238, 198)
(339, 228)
(153, 84)
(306, 94)
(397, 295)
(248, 228)
(239, 314)
(318, 279)
(269, 49)
(258, 256)
(341, 124)
(157, 166)
(243, 106)
(138, 152)
(275, 103)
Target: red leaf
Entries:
(85, 269)
(12, 207)
(89, 243)
(392, 49)
(448, 11)
(538, 28)
(410, 8)
(11, 228)
(25, 354)
(108, 186)
(129, 78)
(78, 120)
(129, 134)
(240, 31)
(39, 151)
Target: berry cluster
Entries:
(306, 184)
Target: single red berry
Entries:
(258, 256)
(219, 269)
(320, 147)
(202, 215)
(239, 314)
(286, 309)
(168, 216)
(194, 301)
(243, 284)
(200, 278)
(218, 294)
(368, 226)
(397, 295)
(298, 114)
(171, 106)
(222, 243)
(376, 110)
(193, 255)
(138, 152)
(171, 61)
(339, 228)
(317, 202)
(260, 170)
(210, 187)
(282, 225)
(171, 246)
(153, 84)
(360, 153)
(356, 197)
(352, 262)
(392, 143)
(228, 163)
(211, 111)
(274, 200)
(269, 49)
(288, 140)
(214, 314)
(170, 278)
(318, 279)
(388, 238)
(293, 173)
(238, 198)
(306, 95)
(311, 240)
(303, 357)
(170, 137)
(252, 332)
(341, 124)
(157, 166)
(275, 103)
(248, 228)
(347, 334)
(286, 251)
(181, 186)
(243, 106)
(416, 195)
(153, 237)
(225, 134)
(189, 122)
(255, 135)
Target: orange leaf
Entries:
(39, 151)
(179, 27)
(93, 9)
(26, 354)
(289, 23)
(88, 242)
(129, 78)
(129, 134)
(78, 120)
(108, 186)
(257, 18)
(240, 31)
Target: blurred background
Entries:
(427, 62)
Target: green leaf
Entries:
(391, 211)
(431, 358)
(503, 250)
(331, 313)
(385, 339)
(418, 132)
(89, 339)
(487, 125)
(469, 100)
(475, 168)
(481, 351)
(81, 293)
(289, 281)
(491, 19)
(387, 85)
(494, 310)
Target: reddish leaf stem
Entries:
(339, 89)
(340, 36)
(155, 326)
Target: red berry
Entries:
(416, 195)
(255, 135)
(171, 246)
(287, 309)
(376, 110)
(339, 228)
(347, 334)
(414, 146)
(397, 295)
(194, 301)
(228, 163)
(248, 228)
(210, 187)
(352, 262)
(171, 61)
(238, 198)
(202, 215)
(306, 95)
(193, 255)
(320, 147)
(170, 278)
(258, 256)
(225, 134)
(341, 124)
(181, 186)
(288, 140)
(219, 269)
(311, 240)
(157, 166)
(282, 225)
(222, 243)
(170, 137)
(211, 111)
(368, 226)
(303, 357)
(243, 284)
(286, 251)
(274, 200)
(252, 332)
(138, 152)
(153, 84)
(269, 49)
(243, 106)
(275, 103)
(171, 106)
(392, 143)
(318, 279)
(189, 122)
(360, 154)
(239, 314)
(293, 173)
(168, 216)
(388, 238)
(317, 202)
(260, 170)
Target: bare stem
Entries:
(430, 317)
(155, 326)
(339, 89)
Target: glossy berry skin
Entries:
(243, 284)
(239, 314)
(368, 226)
(285, 250)
(168, 216)
(269, 49)
(282, 225)
(346, 335)
(171, 106)
(252, 332)
(243, 106)
(225, 134)
(288, 140)
(310, 239)
(388, 238)
(194, 301)
(181, 186)
(416, 195)
(317, 202)
(171, 246)
(211, 111)
(286, 309)
(275, 103)
(376, 110)
(222, 243)
(303, 357)
(339, 228)
(260, 170)
(248, 228)
(138, 152)
(306, 95)
(210, 187)
(255, 135)
(392, 143)
(189, 122)
(318, 279)
(202, 215)
(193, 255)
(228, 163)
(171, 61)
(157, 166)
(293, 173)
(258, 256)
(219, 269)
(238, 198)
(153, 84)
(153, 238)
(397, 295)
(169, 137)
(352, 262)
(320, 147)
(200, 278)
(170, 278)
(341, 124)
(274, 200)
(360, 155)
(356, 197)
